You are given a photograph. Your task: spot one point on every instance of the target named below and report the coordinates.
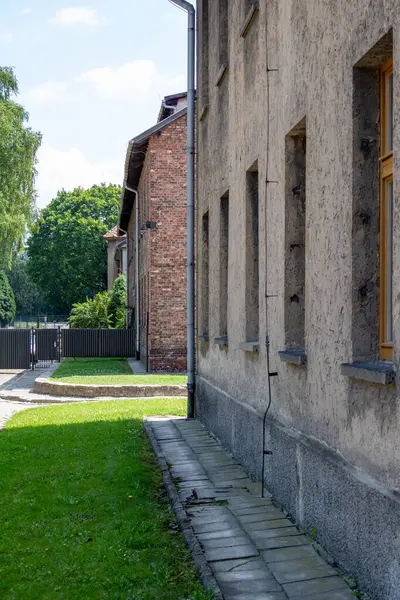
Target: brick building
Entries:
(116, 255)
(156, 168)
(299, 244)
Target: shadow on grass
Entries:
(82, 509)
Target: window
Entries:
(223, 265)
(295, 225)
(386, 211)
(205, 277)
(252, 255)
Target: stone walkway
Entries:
(254, 551)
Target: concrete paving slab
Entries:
(301, 589)
(300, 570)
(237, 564)
(280, 542)
(260, 596)
(243, 551)
(250, 586)
(226, 533)
(269, 514)
(281, 554)
(265, 525)
(250, 575)
(225, 542)
(274, 533)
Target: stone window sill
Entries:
(221, 341)
(379, 371)
(249, 346)
(203, 338)
(249, 18)
(203, 112)
(294, 357)
(221, 74)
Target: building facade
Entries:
(116, 255)
(299, 246)
(156, 169)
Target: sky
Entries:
(91, 76)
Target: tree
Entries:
(91, 314)
(7, 301)
(67, 254)
(117, 306)
(28, 297)
(18, 147)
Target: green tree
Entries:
(18, 147)
(117, 306)
(28, 297)
(67, 254)
(91, 314)
(7, 301)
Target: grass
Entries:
(82, 509)
(108, 371)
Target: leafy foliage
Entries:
(67, 252)
(7, 301)
(117, 306)
(18, 147)
(92, 313)
(28, 297)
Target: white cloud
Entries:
(25, 11)
(69, 169)
(68, 17)
(47, 92)
(7, 37)
(133, 79)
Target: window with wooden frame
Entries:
(386, 212)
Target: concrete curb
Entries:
(206, 575)
(45, 386)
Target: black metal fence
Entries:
(25, 348)
(15, 348)
(98, 343)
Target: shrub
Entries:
(91, 314)
(7, 301)
(117, 306)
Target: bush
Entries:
(117, 306)
(91, 314)
(7, 301)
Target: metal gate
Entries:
(46, 344)
(16, 347)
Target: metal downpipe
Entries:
(189, 8)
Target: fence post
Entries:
(32, 342)
(59, 344)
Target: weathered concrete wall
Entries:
(312, 49)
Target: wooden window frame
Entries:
(385, 177)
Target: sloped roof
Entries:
(113, 234)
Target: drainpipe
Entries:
(189, 8)
(137, 302)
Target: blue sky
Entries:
(91, 76)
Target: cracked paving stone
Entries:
(300, 589)
(217, 526)
(237, 564)
(244, 551)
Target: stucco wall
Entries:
(312, 48)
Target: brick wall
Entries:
(162, 269)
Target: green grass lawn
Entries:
(108, 371)
(82, 511)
